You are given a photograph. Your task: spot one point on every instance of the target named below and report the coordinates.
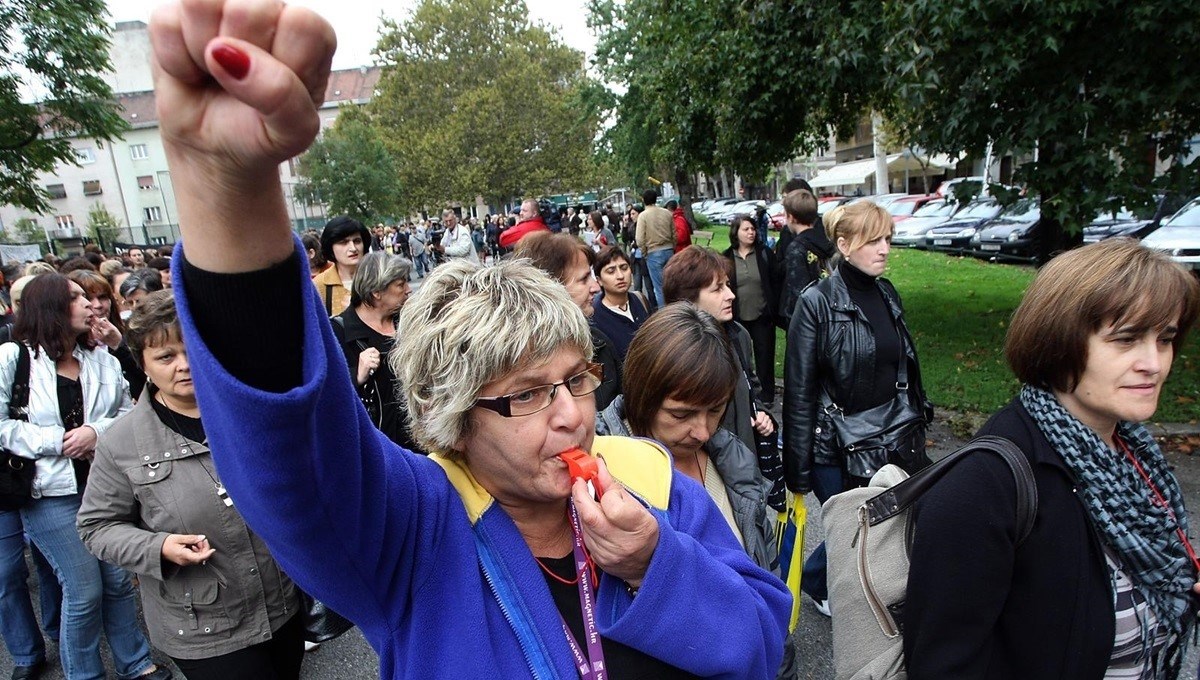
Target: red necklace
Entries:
(575, 581)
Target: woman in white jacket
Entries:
(76, 390)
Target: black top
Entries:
(379, 393)
(70, 409)
(619, 328)
(865, 293)
(625, 662)
(979, 606)
(186, 426)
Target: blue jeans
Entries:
(827, 480)
(656, 261)
(17, 625)
(97, 596)
(49, 594)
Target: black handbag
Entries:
(893, 432)
(321, 623)
(16, 472)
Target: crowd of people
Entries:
(556, 458)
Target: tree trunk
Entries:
(1054, 238)
(686, 186)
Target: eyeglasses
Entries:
(530, 401)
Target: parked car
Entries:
(881, 200)
(717, 205)
(911, 232)
(1130, 223)
(947, 188)
(827, 203)
(1013, 235)
(1179, 237)
(903, 208)
(956, 233)
(741, 208)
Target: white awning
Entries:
(847, 174)
(859, 172)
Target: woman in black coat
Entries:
(1104, 585)
(848, 351)
(366, 332)
(752, 280)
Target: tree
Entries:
(1099, 90)
(706, 85)
(103, 226)
(351, 170)
(26, 231)
(476, 100)
(56, 50)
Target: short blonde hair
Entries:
(859, 223)
(468, 326)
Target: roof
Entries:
(348, 85)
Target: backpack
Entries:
(868, 533)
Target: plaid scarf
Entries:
(1140, 532)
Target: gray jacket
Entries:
(147, 482)
(744, 483)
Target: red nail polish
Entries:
(234, 61)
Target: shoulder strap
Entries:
(900, 497)
(329, 299)
(19, 400)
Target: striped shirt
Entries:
(1132, 610)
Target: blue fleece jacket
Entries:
(383, 537)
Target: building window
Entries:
(152, 214)
(91, 187)
(146, 182)
(85, 155)
(64, 222)
(56, 190)
(138, 152)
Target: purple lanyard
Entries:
(593, 669)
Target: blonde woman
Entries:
(849, 356)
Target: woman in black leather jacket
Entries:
(846, 344)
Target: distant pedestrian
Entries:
(655, 233)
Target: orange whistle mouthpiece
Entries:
(580, 464)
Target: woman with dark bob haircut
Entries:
(1105, 584)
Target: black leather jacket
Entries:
(830, 344)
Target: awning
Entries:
(858, 172)
(847, 174)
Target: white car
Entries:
(1179, 237)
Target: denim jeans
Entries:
(656, 261)
(96, 595)
(18, 627)
(827, 480)
(49, 594)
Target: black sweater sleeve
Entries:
(253, 321)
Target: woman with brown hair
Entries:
(681, 403)
(213, 597)
(107, 327)
(1104, 585)
(75, 393)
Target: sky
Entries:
(357, 21)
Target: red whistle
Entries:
(581, 465)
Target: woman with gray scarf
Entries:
(1104, 586)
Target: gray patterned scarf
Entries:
(1141, 533)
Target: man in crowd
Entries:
(529, 220)
(655, 235)
(136, 257)
(807, 251)
(456, 239)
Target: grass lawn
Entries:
(958, 310)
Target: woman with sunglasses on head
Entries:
(1104, 585)
(492, 537)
